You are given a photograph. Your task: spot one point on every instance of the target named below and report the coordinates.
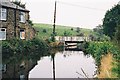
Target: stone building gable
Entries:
(14, 27)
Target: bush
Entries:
(66, 33)
(15, 50)
(97, 49)
(17, 46)
(72, 29)
(44, 30)
(77, 29)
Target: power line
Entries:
(76, 5)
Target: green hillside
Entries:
(45, 30)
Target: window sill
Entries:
(3, 20)
(22, 22)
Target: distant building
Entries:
(14, 22)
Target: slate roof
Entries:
(12, 5)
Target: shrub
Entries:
(16, 46)
(66, 33)
(77, 29)
(97, 49)
(44, 30)
(72, 29)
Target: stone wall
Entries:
(9, 24)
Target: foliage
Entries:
(117, 34)
(66, 33)
(44, 31)
(111, 20)
(98, 34)
(98, 49)
(15, 47)
(111, 27)
(52, 38)
(72, 29)
(81, 34)
(16, 50)
(30, 22)
(92, 37)
(78, 30)
(98, 29)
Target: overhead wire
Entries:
(76, 5)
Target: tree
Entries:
(71, 29)
(99, 32)
(30, 22)
(44, 31)
(81, 34)
(98, 29)
(117, 34)
(66, 33)
(111, 20)
(92, 37)
(78, 30)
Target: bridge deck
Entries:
(71, 39)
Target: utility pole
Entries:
(53, 57)
(54, 19)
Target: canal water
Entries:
(67, 64)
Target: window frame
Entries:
(3, 11)
(22, 32)
(5, 33)
(22, 17)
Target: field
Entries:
(45, 30)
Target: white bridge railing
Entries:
(75, 38)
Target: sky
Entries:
(77, 13)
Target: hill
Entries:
(45, 30)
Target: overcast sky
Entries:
(78, 13)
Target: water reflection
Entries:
(67, 65)
(18, 65)
(50, 64)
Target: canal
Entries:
(67, 64)
(49, 64)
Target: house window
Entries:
(2, 33)
(3, 13)
(22, 34)
(22, 16)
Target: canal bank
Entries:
(104, 60)
(74, 63)
(106, 66)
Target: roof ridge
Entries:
(13, 5)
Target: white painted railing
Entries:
(74, 38)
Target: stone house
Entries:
(14, 22)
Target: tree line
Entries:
(111, 23)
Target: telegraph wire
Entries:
(76, 5)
